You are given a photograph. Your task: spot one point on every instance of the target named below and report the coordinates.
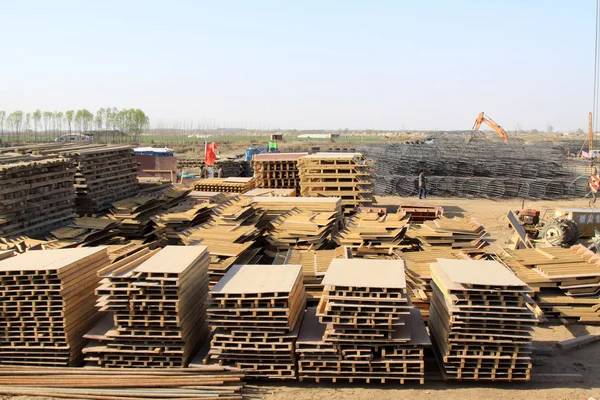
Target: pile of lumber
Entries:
(208, 197)
(37, 195)
(177, 219)
(48, 303)
(306, 230)
(230, 236)
(277, 170)
(374, 234)
(455, 233)
(566, 281)
(271, 193)
(345, 175)
(21, 244)
(105, 174)
(273, 207)
(134, 214)
(314, 266)
(256, 311)
(210, 382)
(225, 185)
(84, 231)
(418, 274)
(154, 305)
(480, 322)
(364, 327)
(419, 214)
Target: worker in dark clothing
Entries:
(242, 173)
(422, 185)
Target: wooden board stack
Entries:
(479, 321)
(105, 174)
(305, 230)
(277, 170)
(273, 207)
(177, 219)
(455, 233)
(418, 274)
(364, 327)
(229, 235)
(48, 303)
(37, 196)
(155, 309)
(566, 281)
(420, 214)
(256, 311)
(345, 175)
(225, 185)
(271, 193)
(314, 266)
(373, 234)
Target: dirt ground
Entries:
(584, 361)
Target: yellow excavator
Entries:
(482, 118)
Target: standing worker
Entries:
(242, 172)
(219, 172)
(594, 186)
(422, 185)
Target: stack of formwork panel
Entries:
(566, 281)
(364, 327)
(455, 233)
(271, 193)
(37, 195)
(84, 231)
(179, 218)
(314, 266)
(273, 207)
(421, 214)
(480, 322)
(155, 304)
(48, 303)
(345, 175)
(302, 230)
(225, 185)
(256, 311)
(105, 174)
(277, 170)
(374, 234)
(229, 235)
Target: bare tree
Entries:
(15, 120)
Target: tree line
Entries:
(46, 125)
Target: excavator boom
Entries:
(482, 118)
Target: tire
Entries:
(555, 233)
(573, 231)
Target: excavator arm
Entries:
(482, 118)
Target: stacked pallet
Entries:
(421, 214)
(225, 185)
(344, 175)
(373, 234)
(314, 266)
(84, 231)
(37, 195)
(271, 193)
(256, 311)
(480, 322)
(48, 303)
(155, 311)
(305, 230)
(418, 274)
(455, 233)
(364, 327)
(97, 383)
(273, 207)
(105, 174)
(229, 235)
(566, 281)
(277, 170)
(208, 197)
(177, 219)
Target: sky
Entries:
(388, 65)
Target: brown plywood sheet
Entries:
(242, 279)
(366, 273)
(48, 260)
(173, 259)
(479, 272)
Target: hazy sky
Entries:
(305, 64)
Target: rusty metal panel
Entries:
(587, 219)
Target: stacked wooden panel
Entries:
(314, 266)
(418, 274)
(344, 175)
(256, 311)
(374, 234)
(84, 231)
(271, 193)
(48, 303)
(105, 174)
(277, 170)
(421, 214)
(302, 230)
(566, 281)
(273, 207)
(455, 233)
(229, 235)
(480, 322)
(364, 327)
(225, 185)
(177, 219)
(36, 195)
(155, 309)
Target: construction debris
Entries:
(257, 311)
(480, 322)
